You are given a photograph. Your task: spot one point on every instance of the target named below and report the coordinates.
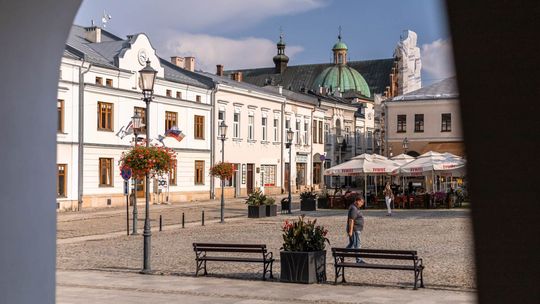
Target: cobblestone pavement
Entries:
(442, 238)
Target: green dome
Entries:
(339, 46)
(343, 77)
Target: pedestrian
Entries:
(388, 197)
(355, 225)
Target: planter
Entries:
(303, 267)
(271, 210)
(322, 203)
(256, 211)
(307, 205)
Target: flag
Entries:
(125, 130)
(175, 133)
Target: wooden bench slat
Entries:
(235, 259)
(377, 256)
(239, 250)
(376, 266)
(229, 245)
(335, 249)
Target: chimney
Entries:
(178, 61)
(189, 63)
(219, 70)
(237, 76)
(93, 34)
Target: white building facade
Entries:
(97, 96)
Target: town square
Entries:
(287, 151)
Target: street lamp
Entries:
(146, 83)
(288, 145)
(405, 145)
(136, 124)
(222, 134)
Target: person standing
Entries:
(388, 197)
(355, 225)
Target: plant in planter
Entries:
(307, 201)
(222, 170)
(153, 160)
(271, 208)
(255, 202)
(322, 199)
(303, 258)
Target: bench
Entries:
(202, 251)
(415, 265)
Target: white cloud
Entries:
(437, 60)
(232, 53)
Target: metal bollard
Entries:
(183, 219)
(203, 217)
(160, 223)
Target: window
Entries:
(297, 132)
(199, 127)
(60, 107)
(306, 128)
(170, 120)
(109, 82)
(418, 122)
(276, 130)
(347, 134)
(446, 122)
(316, 173)
(314, 131)
(142, 113)
(105, 115)
(61, 180)
(172, 175)
(221, 116)
(199, 172)
(369, 140)
(236, 125)
(402, 123)
(99, 80)
(287, 123)
(105, 172)
(320, 132)
(268, 175)
(326, 133)
(178, 95)
(264, 120)
(198, 98)
(168, 93)
(251, 121)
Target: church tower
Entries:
(340, 51)
(280, 60)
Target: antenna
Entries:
(339, 33)
(105, 18)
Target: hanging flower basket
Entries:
(222, 170)
(153, 160)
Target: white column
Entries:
(35, 34)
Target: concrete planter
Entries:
(303, 267)
(256, 211)
(307, 205)
(271, 210)
(322, 203)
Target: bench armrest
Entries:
(268, 256)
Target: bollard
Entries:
(183, 219)
(160, 223)
(203, 217)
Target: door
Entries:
(287, 176)
(249, 178)
(140, 188)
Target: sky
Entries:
(243, 33)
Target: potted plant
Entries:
(222, 170)
(153, 160)
(303, 255)
(307, 201)
(255, 202)
(322, 199)
(271, 208)
(439, 198)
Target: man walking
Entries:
(355, 225)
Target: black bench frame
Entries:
(407, 255)
(202, 250)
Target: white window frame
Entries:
(276, 129)
(306, 128)
(236, 125)
(297, 131)
(251, 127)
(264, 123)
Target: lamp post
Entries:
(405, 145)
(222, 134)
(339, 140)
(136, 123)
(146, 83)
(288, 145)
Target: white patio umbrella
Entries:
(402, 159)
(431, 163)
(363, 165)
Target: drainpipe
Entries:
(212, 138)
(283, 146)
(311, 149)
(81, 136)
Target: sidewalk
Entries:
(127, 287)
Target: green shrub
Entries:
(304, 235)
